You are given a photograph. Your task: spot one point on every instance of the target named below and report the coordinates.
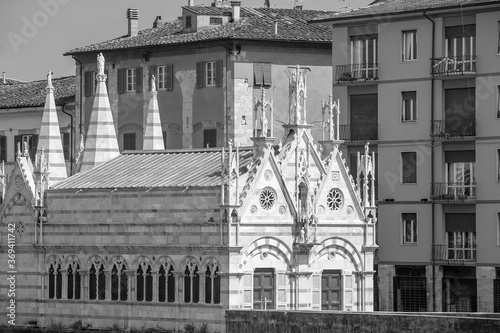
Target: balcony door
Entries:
(460, 50)
(364, 56)
(461, 176)
(461, 236)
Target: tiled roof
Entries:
(394, 7)
(33, 93)
(255, 24)
(9, 81)
(179, 168)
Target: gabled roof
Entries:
(33, 94)
(395, 7)
(169, 168)
(255, 24)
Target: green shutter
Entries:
(120, 81)
(169, 77)
(200, 80)
(219, 66)
(88, 83)
(138, 79)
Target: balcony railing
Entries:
(450, 66)
(358, 132)
(356, 73)
(446, 255)
(453, 130)
(453, 191)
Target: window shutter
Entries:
(257, 74)
(316, 292)
(33, 145)
(200, 80)
(219, 66)
(152, 71)
(121, 85)
(266, 71)
(281, 299)
(247, 291)
(348, 290)
(169, 77)
(3, 148)
(88, 83)
(138, 79)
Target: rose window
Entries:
(334, 199)
(267, 198)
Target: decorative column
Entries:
(154, 274)
(202, 287)
(64, 286)
(131, 284)
(179, 283)
(107, 275)
(84, 292)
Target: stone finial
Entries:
(263, 104)
(153, 83)
(297, 89)
(49, 80)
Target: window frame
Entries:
(210, 73)
(262, 74)
(207, 137)
(215, 20)
(189, 21)
(413, 104)
(414, 229)
(130, 79)
(161, 77)
(403, 167)
(125, 136)
(409, 36)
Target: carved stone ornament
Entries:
(282, 210)
(253, 209)
(335, 199)
(268, 175)
(267, 198)
(350, 210)
(321, 210)
(19, 182)
(20, 228)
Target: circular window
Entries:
(334, 199)
(267, 198)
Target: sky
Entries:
(34, 34)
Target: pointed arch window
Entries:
(97, 282)
(303, 197)
(191, 283)
(74, 281)
(119, 282)
(144, 285)
(55, 281)
(212, 284)
(166, 283)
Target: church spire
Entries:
(101, 143)
(153, 138)
(50, 138)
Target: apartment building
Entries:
(420, 81)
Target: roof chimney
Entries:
(4, 79)
(298, 7)
(133, 21)
(267, 3)
(158, 22)
(190, 3)
(236, 10)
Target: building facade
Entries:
(420, 79)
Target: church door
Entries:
(263, 289)
(331, 290)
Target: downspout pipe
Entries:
(433, 222)
(71, 136)
(81, 85)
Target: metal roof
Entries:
(169, 168)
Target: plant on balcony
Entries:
(346, 77)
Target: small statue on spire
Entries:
(49, 80)
(263, 121)
(100, 64)
(153, 83)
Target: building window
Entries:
(55, 281)
(130, 79)
(409, 106)
(409, 167)
(191, 283)
(65, 144)
(462, 245)
(165, 77)
(188, 21)
(409, 228)
(364, 58)
(460, 46)
(210, 138)
(3, 148)
(498, 165)
(262, 74)
(160, 76)
(409, 45)
(267, 198)
(144, 286)
(166, 283)
(216, 20)
(31, 140)
(212, 284)
(129, 141)
(498, 46)
(74, 281)
(97, 282)
(461, 178)
(119, 282)
(209, 74)
(498, 102)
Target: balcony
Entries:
(447, 130)
(453, 66)
(453, 191)
(356, 73)
(358, 132)
(457, 255)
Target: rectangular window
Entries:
(66, 144)
(262, 74)
(216, 20)
(409, 167)
(129, 141)
(462, 245)
(130, 79)
(364, 57)
(164, 77)
(498, 46)
(188, 21)
(210, 73)
(460, 48)
(3, 148)
(160, 77)
(409, 45)
(210, 138)
(409, 106)
(409, 228)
